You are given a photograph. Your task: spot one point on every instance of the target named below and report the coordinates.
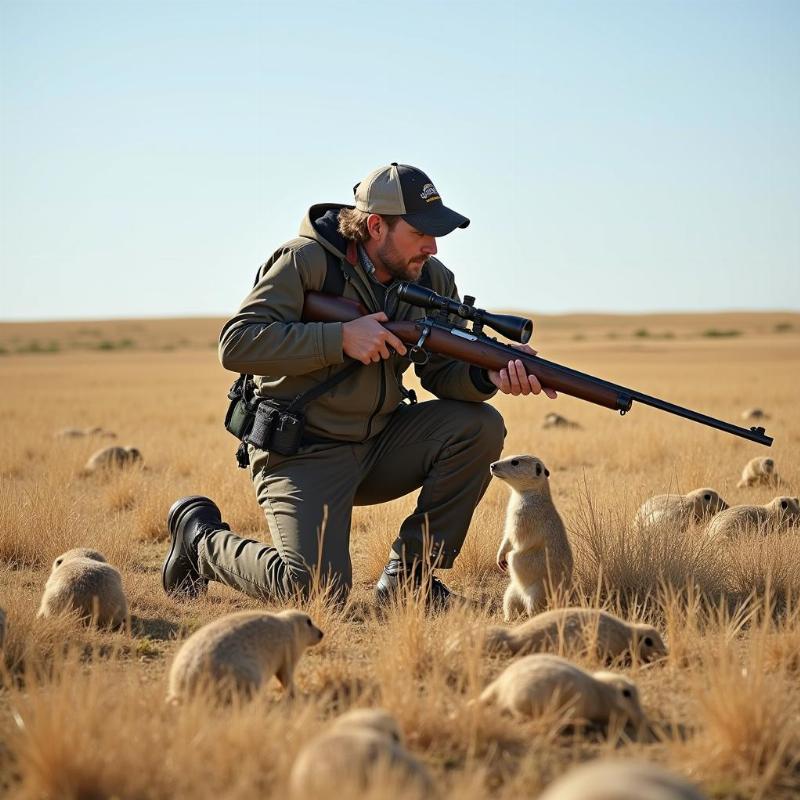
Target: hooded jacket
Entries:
(287, 357)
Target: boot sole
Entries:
(176, 511)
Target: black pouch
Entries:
(276, 429)
(242, 410)
(265, 423)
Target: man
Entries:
(365, 440)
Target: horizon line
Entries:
(571, 313)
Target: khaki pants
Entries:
(443, 446)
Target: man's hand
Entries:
(515, 380)
(366, 340)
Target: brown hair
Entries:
(353, 223)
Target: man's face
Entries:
(403, 251)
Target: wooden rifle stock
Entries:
(321, 307)
(482, 351)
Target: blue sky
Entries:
(613, 156)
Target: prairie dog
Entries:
(102, 432)
(77, 433)
(754, 414)
(535, 545)
(579, 629)
(781, 513)
(533, 684)
(614, 779)
(362, 750)
(79, 552)
(70, 433)
(111, 458)
(235, 653)
(553, 420)
(375, 719)
(89, 586)
(679, 510)
(759, 471)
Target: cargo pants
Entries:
(443, 446)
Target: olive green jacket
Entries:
(287, 357)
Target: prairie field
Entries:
(83, 712)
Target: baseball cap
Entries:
(408, 192)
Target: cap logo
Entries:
(429, 193)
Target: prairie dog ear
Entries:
(546, 472)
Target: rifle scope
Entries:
(517, 329)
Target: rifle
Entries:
(435, 333)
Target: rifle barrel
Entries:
(753, 434)
(566, 379)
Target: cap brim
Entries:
(438, 220)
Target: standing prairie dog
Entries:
(235, 653)
(362, 750)
(579, 629)
(542, 682)
(759, 471)
(87, 585)
(679, 510)
(535, 546)
(779, 514)
(111, 458)
(621, 780)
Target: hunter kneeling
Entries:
(325, 421)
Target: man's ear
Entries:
(376, 225)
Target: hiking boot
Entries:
(189, 520)
(398, 577)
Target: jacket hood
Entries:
(321, 224)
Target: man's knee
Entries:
(484, 424)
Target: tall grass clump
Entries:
(35, 525)
(611, 553)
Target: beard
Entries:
(399, 268)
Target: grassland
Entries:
(82, 712)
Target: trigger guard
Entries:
(418, 356)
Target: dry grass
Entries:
(82, 712)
